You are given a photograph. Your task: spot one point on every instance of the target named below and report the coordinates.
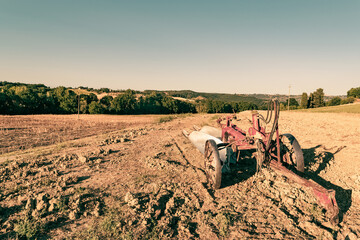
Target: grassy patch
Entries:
(166, 119)
(155, 231)
(215, 117)
(111, 226)
(62, 204)
(184, 115)
(83, 190)
(347, 108)
(28, 228)
(223, 222)
(144, 179)
(45, 182)
(315, 212)
(61, 146)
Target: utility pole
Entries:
(289, 99)
(78, 106)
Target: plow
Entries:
(222, 146)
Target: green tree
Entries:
(66, 99)
(91, 98)
(354, 92)
(105, 90)
(124, 103)
(304, 100)
(106, 103)
(311, 101)
(50, 104)
(282, 107)
(85, 100)
(318, 98)
(293, 103)
(106, 100)
(169, 105)
(96, 108)
(334, 101)
(26, 99)
(200, 106)
(152, 103)
(6, 104)
(348, 100)
(84, 103)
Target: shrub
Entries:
(348, 100)
(354, 92)
(166, 119)
(334, 101)
(28, 228)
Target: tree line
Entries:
(18, 98)
(317, 99)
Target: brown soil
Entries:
(129, 177)
(24, 132)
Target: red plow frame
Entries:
(272, 149)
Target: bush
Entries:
(166, 119)
(354, 92)
(28, 228)
(348, 100)
(334, 101)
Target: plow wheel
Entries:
(291, 152)
(212, 164)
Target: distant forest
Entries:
(20, 98)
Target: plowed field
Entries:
(135, 177)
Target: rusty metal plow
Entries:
(222, 146)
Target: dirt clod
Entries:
(73, 215)
(83, 159)
(30, 204)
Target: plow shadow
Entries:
(314, 159)
(321, 160)
(241, 171)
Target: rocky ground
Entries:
(146, 181)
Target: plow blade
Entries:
(325, 198)
(199, 138)
(215, 132)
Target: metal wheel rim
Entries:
(209, 167)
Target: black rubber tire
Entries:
(212, 164)
(292, 150)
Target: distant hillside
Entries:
(188, 94)
(258, 99)
(20, 98)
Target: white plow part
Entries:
(215, 132)
(199, 138)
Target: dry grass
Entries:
(24, 132)
(347, 108)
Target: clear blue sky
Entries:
(226, 46)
